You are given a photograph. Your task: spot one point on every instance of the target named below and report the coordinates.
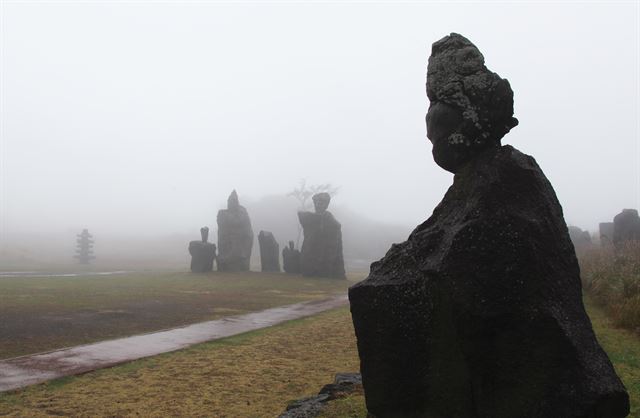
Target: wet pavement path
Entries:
(32, 274)
(23, 371)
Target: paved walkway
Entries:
(28, 370)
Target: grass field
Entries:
(611, 277)
(623, 348)
(252, 375)
(40, 314)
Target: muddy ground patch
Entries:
(41, 314)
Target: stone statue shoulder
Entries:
(308, 218)
(328, 217)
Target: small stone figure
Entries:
(626, 227)
(321, 253)
(479, 313)
(606, 233)
(235, 236)
(581, 239)
(291, 259)
(269, 252)
(202, 253)
(84, 248)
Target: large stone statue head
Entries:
(471, 107)
(204, 233)
(232, 202)
(321, 201)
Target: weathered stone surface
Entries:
(235, 236)
(606, 233)
(321, 254)
(312, 406)
(626, 227)
(202, 253)
(269, 252)
(308, 407)
(291, 259)
(479, 313)
(343, 384)
(581, 239)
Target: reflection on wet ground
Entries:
(27, 370)
(45, 274)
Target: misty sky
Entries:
(140, 117)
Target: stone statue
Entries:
(269, 252)
(626, 227)
(581, 239)
(321, 254)
(202, 253)
(606, 233)
(291, 259)
(235, 236)
(479, 313)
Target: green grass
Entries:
(623, 348)
(40, 314)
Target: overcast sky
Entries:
(142, 116)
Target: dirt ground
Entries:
(253, 375)
(41, 314)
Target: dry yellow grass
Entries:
(612, 278)
(253, 375)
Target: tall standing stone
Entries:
(269, 252)
(202, 253)
(581, 239)
(321, 254)
(291, 259)
(479, 313)
(626, 227)
(606, 233)
(235, 236)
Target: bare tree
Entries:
(304, 192)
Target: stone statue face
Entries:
(471, 107)
(321, 202)
(443, 126)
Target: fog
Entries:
(137, 119)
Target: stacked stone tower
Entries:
(84, 249)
